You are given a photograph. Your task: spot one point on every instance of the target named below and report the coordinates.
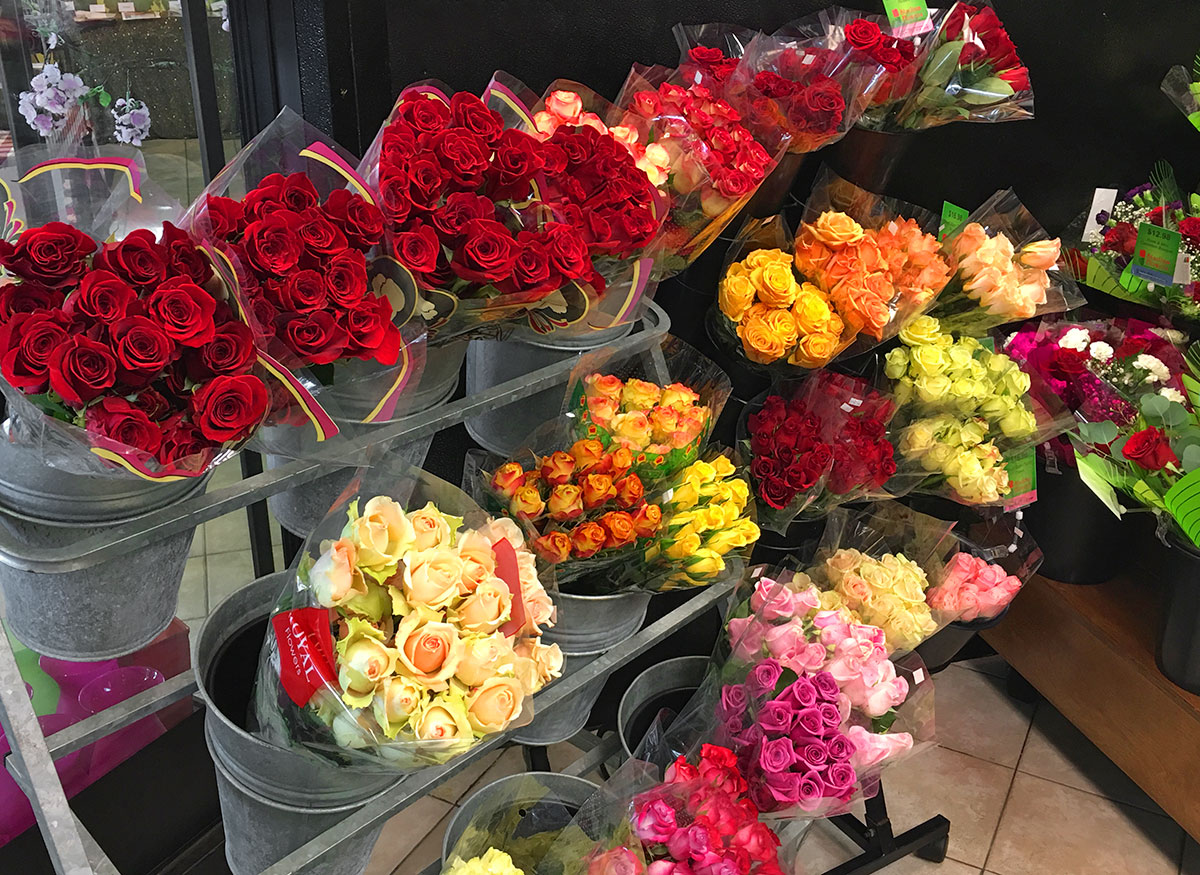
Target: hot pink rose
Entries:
(655, 822)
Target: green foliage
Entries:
(942, 65)
(1098, 433)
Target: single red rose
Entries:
(346, 278)
(53, 255)
(418, 248)
(320, 236)
(81, 369)
(706, 56)
(153, 403)
(890, 57)
(1190, 229)
(533, 271)
(265, 313)
(315, 336)
(27, 343)
(468, 111)
(370, 332)
(460, 208)
(184, 258)
(226, 217)
(1065, 364)
(953, 25)
(123, 422)
(1149, 449)
(102, 296)
(229, 408)
(142, 348)
(517, 159)
(272, 244)
(27, 297)
(184, 310)
(302, 292)
(1018, 78)
(395, 200)
(230, 352)
(184, 441)
(568, 253)
(298, 193)
(773, 85)
(487, 253)
(863, 35)
(776, 492)
(399, 144)
(734, 183)
(462, 155)
(427, 115)
(138, 259)
(1120, 238)
(361, 222)
(426, 182)
(265, 198)
(819, 107)
(1155, 216)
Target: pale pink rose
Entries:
(785, 641)
(746, 636)
(807, 600)
(871, 749)
(883, 697)
(772, 601)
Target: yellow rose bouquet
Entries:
(1006, 270)
(409, 631)
(965, 410)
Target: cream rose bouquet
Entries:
(408, 632)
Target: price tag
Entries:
(1022, 474)
(1183, 269)
(126, 7)
(953, 218)
(1155, 254)
(97, 7)
(908, 17)
(1102, 202)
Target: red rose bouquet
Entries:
(499, 221)
(305, 247)
(130, 352)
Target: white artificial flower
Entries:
(1158, 372)
(1172, 394)
(1100, 351)
(1076, 339)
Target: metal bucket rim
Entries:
(623, 714)
(92, 656)
(200, 485)
(566, 346)
(550, 778)
(608, 597)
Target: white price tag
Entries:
(97, 7)
(918, 676)
(1102, 202)
(1183, 269)
(126, 7)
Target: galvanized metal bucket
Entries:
(566, 790)
(503, 429)
(273, 800)
(567, 718)
(670, 676)
(110, 609)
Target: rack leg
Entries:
(261, 553)
(537, 759)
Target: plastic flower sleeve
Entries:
(120, 347)
(1183, 89)
(409, 629)
(1007, 269)
(995, 559)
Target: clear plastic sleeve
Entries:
(1007, 269)
(408, 630)
(1183, 90)
(121, 349)
(994, 560)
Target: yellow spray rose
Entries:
(924, 330)
(494, 862)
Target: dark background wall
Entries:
(1096, 66)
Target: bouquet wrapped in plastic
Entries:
(514, 208)
(993, 562)
(1182, 87)
(1006, 269)
(300, 237)
(408, 632)
(861, 267)
(123, 353)
(964, 411)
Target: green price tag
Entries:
(1022, 474)
(1155, 254)
(901, 12)
(953, 218)
(988, 343)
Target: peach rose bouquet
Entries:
(1006, 270)
(410, 630)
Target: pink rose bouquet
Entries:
(974, 589)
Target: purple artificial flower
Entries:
(764, 676)
(776, 755)
(1102, 217)
(776, 718)
(827, 686)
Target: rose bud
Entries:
(508, 478)
(533, 478)
(565, 502)
(588, 455)
(527, 502)
(620, 529)
(554, 547)
(621, 461)
(630, 492)
(647, 520)
(587, 539)
(396, 699)
(557, 468)
(597, 489)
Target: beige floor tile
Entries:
(916, 866)
(197, 548)
(404, 832)
(993, 665)
(975, 716)
(227, 573)
(427, 851)
(968, 791)
(227, 533)
(226, 474)
(1059, 752)
(1049, 828)
(454, 789)
(193, 592)
(563, 754)
(510, 762)
(825, 846)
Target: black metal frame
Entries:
(881, 847)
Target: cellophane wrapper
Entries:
(105, 194)
(319, 396)
(333, 679)
(1000, 244)
(995, 559)
(524, 822)
(828, 433)
(971, 72)
(1183, 91)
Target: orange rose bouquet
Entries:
(1007, 269)
(409, 631)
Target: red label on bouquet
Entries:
(305, 652)
(508, 571)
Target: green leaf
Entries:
(52, 405)
(785, 680)
(942, 65)
(1098, 433)
(1175, 415)
(880, 725)
(1162, 177)
(1154, 406)
(105, 98)
(1094, 471)
(1191, 457)
(1145, 493)
(987, 90)
(1190, 385)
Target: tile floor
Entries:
(1025, 792)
